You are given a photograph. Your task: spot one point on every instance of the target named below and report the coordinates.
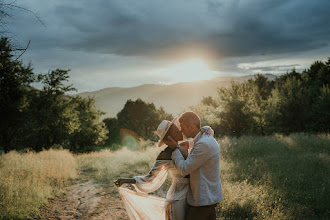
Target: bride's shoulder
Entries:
(165, 154)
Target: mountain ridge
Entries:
(174, 98)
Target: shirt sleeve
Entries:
(198, 156)
(154, 179)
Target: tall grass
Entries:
(272, 177)
(278, 177)
(106, 166)
(27, 180)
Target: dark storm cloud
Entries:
(219, 28)
(121, 41)
(223, 28)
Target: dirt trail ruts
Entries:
(85, 200)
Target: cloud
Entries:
(111, 38)
(219, 28)
(269, 68)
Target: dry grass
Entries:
(27, 180)
(273, 177)
(106, 166)
(276, 177)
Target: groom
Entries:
(203, 165)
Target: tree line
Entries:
(46, 118)
(41, 119)
(293, 102)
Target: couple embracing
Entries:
(194, 168)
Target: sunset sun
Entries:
(186, 71)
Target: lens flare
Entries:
(130, 139)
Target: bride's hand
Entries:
(119, 182)
(175, 143)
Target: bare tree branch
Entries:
(11, 5)
(24, 49)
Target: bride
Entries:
(138, 204)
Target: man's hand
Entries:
(184, 145)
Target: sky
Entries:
(125, 43)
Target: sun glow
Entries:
(187, 71)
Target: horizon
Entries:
(220, 79)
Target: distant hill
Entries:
(174, 98)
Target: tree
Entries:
(113, 127)
(55, 118)
(45, 118)
(90, 131)
(320, 120)
(291, 106)
(137, 116)
(15, 80)
(50, 117)
(141, 117)
(234, 117)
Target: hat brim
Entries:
(161, 142)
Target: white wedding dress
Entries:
(140, 205)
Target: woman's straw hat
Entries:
(163, 129)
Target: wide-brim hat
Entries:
(162, 130)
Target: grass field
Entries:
(280, 177)
(28, 180)
(272, 177)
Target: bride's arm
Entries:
(154, 179)
(141, 179)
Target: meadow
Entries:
(27, 180)
(270, 177)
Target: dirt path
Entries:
(85, 200)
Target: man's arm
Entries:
(199, 155)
